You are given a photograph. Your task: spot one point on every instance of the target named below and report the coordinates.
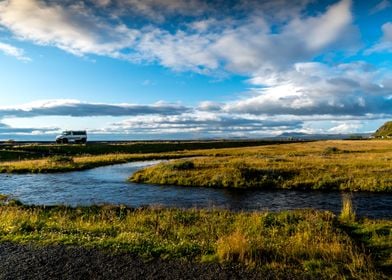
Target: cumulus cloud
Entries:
(210, 106)
(354, 89)
(72, 28)
(76, 108)
(249, 44)
(204, 124)
(10, 50)
(214, 37)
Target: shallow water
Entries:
(108, 185)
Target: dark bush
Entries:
(182, 165)
(331, 150)
(61, 160)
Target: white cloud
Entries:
(179, 51)
(320, 31)
(204, 124)
(345, 128)
(102, 3)
(385, 44)
(76, 108)
(70, 28)
(317, 89)
(210, 106)
(10, 50)
(381, 6)
(237, 44)
(157, 9)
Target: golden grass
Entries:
(322, 165)
(78, 162)
(307, 242)
(348, 213)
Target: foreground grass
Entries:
(322, 165)
(309, 243)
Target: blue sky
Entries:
(154, 69)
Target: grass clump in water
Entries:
(347, 214)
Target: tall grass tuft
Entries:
(348, 213)
(233, 248)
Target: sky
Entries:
(177, 69)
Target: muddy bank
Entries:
(62, 262)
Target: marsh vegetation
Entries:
(322, 165)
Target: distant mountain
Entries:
(306, 136)
(384, 131)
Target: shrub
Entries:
(182, 165)
(233, 248)
(61, 160)
(331, 150)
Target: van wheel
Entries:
(83, 141)
(65, 141)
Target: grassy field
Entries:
(17, 151)
(54, 164)
(306, 242)
(323, 165)
(45, 158)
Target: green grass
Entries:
(348, 213)
(322, 165)
(309, 243)
(36, 158)
(68, 163)
(384, 131)
(10, 155)
(137, 147)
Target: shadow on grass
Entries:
(375, 238)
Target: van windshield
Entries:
(66, 133)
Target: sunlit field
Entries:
(321, 165)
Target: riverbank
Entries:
(55, 164)
(298, 244)
(322, 165)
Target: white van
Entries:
(67, 136)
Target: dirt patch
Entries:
(63, 262)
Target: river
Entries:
(108, 185)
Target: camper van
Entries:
(72, 136)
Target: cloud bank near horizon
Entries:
(208, 119)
